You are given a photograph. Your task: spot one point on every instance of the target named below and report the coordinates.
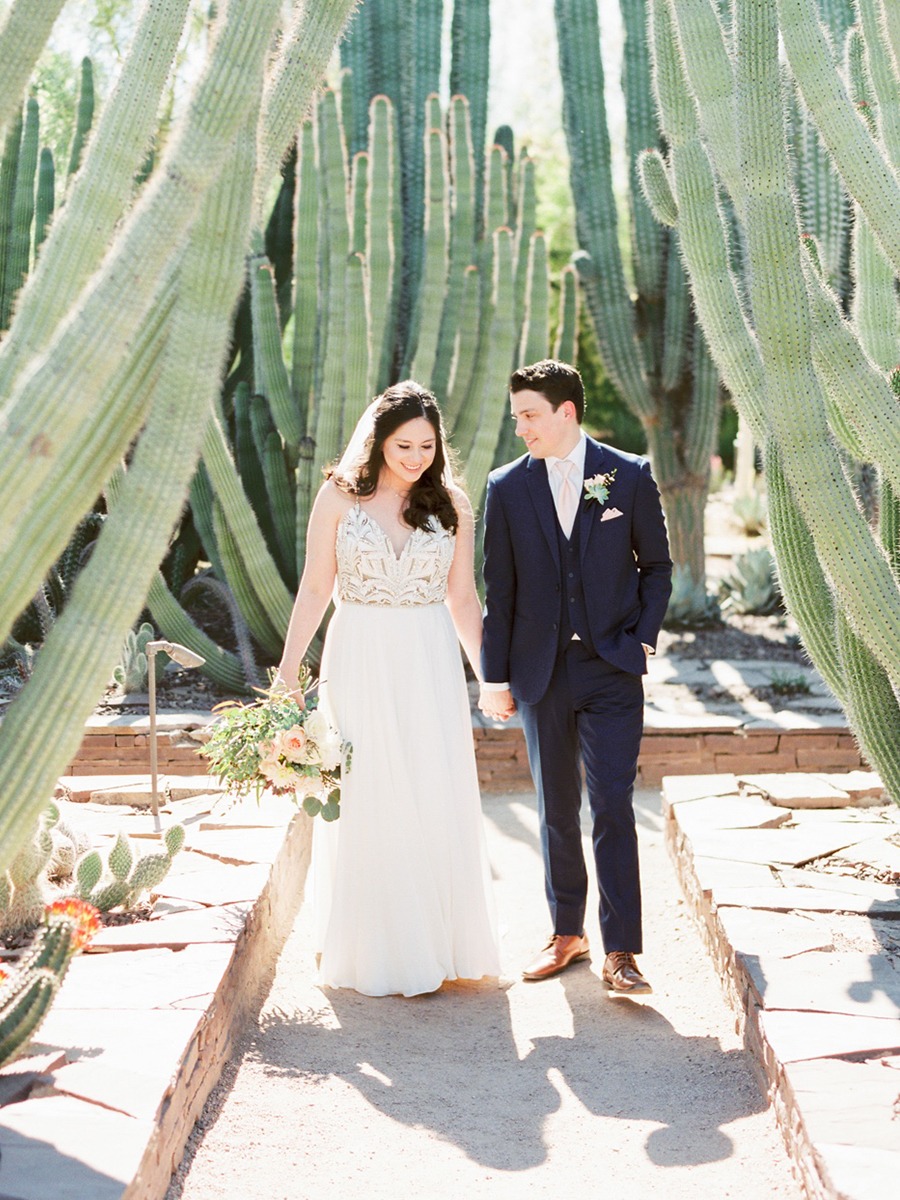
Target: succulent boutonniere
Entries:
(597, 487)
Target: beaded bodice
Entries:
(370, 572)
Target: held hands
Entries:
(499, 706)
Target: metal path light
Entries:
(185, 658)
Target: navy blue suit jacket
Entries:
(625, 564)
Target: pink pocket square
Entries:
(610, 514)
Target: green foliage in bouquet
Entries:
(274, 743)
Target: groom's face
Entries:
(547, 432)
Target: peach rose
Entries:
(291, 744)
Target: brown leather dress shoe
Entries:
(622, 977)
(559, 953)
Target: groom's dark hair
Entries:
(555, 380)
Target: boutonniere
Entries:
(597, 487)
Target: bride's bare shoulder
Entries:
(461, 501)
(331, 505)
(332, 501)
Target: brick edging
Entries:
(503, 761)
(122, 747)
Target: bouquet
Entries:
(274, 743)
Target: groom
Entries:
(577, 578)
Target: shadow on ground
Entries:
(449, 1063)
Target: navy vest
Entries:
(574, 609)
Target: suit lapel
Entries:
(542, 499)
(587, 512)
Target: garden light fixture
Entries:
(185, 658)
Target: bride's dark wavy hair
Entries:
(428, 496)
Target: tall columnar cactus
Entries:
(795, 364)
(481, 303)
(24, 192)
(165, 273)
(23, 36)
(651, 346)
(84, 115)
(393, 48)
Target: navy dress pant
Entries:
(591, 713)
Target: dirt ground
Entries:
(500, 1089)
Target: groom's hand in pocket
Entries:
(498, 705)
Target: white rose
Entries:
(317, 726)
(330, 752)
(307, 785)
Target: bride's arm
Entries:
(317, 583)
(462, 598)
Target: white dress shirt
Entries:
(576, 457)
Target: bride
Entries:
(401, 882)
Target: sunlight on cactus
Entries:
(798, 368)
(133, 361)
(29, 988)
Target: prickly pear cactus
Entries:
(132, 673)
(126, 876)
(26, 887)
(87, 873)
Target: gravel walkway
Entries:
(510, 1091)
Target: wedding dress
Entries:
(401, 882)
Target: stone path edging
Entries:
(805, 958)
(103, 1106)
(697, 743)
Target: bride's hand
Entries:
(294, 694)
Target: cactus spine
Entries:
(26, 994)
(650, 346)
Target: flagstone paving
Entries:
(806, 944)
(140, 1031)
(499, 1089)
(811, 956)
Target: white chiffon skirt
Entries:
(400, 882)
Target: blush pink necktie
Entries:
(567, 496)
